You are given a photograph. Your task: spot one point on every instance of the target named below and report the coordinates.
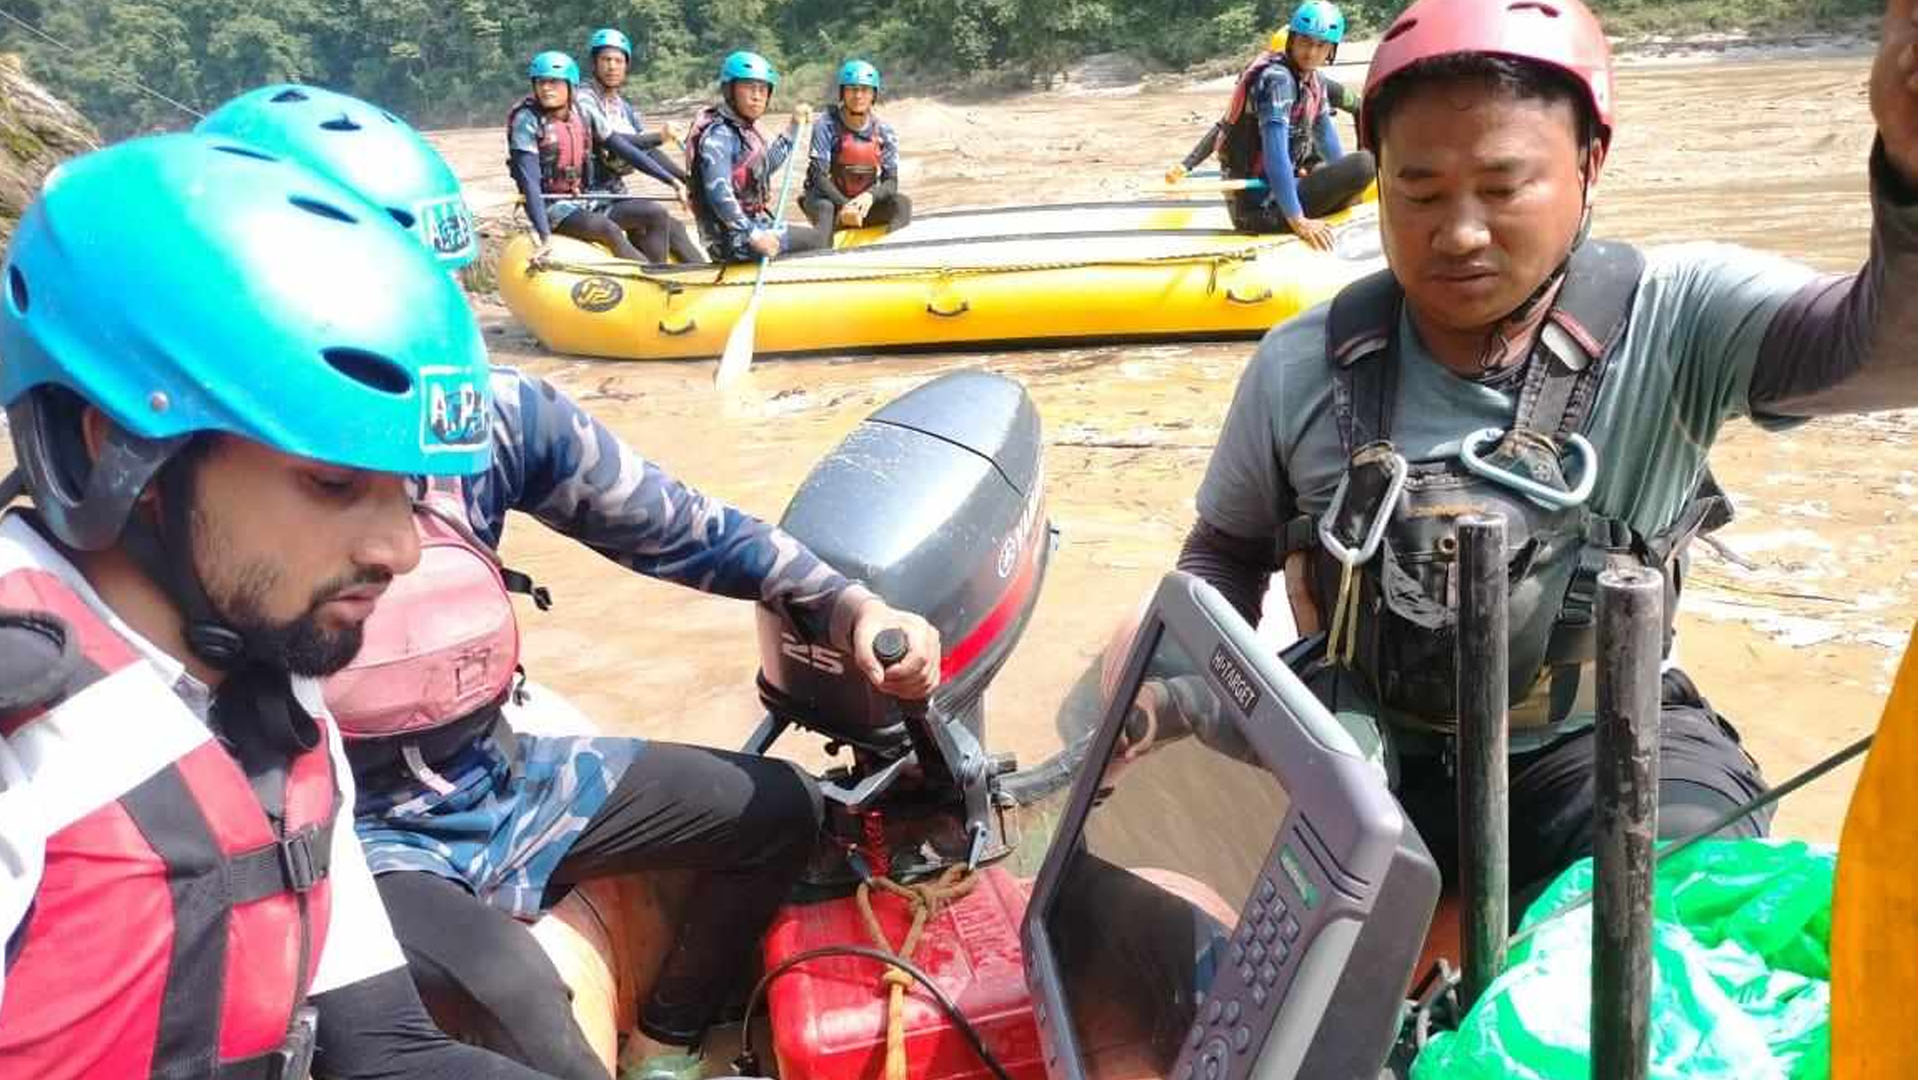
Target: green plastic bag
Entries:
(1739, 975)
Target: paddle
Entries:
(738, 355)
(1185, 187)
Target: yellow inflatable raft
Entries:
(1082, 272)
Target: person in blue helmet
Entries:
(853, 174)
(471, 825)
(647, 222)
(1340, 96)
(736, 169)
(552, 144)
(203, 543)
(1279, 128)
(364, 147)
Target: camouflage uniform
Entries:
(724, 224)
(513, 811)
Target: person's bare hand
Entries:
(915, 675)
(765, 243)
(1891, 87)
(1315, 232)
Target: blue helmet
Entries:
(363, 147)
(256, 298)
(748, 65)
(609, 38)
(859, 73)
(554, 64)
(1318, 19)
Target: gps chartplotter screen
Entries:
(1232, 892)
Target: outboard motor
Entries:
(936, 503)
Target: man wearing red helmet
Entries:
(1507, 364)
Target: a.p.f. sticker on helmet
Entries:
(456, 414)
(447, 227)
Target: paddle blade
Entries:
(738, 355)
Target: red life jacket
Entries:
(566, 147)
(442, 643)
(856, 157)
(751, 179)
(1242, 151)
(177, 927)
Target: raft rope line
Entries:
(71, 51)
(1215, 260)
(925, 900)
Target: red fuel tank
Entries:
(829, 1016)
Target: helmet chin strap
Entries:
(1547, 284)
(254, 712)
(164, 552)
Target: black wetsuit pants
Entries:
(595, 227)
(745, 824)
(893, 211)
(1704, 773)
(1331, 186)
(655, 231)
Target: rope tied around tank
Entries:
(925, 900)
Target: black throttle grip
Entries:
(890, 646)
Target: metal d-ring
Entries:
(1370, 543)
(1583, 451)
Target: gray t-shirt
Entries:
(1685, 363)
(1686, 360)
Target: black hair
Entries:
(1521, 79)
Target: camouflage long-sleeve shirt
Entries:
(555, 462)
(723, 221)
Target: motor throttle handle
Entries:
(890, 646)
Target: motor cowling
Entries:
(936, 503)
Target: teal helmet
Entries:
(609, 38)
(1318, 19)
(554, 64)
(859, 73)
(363, 147)
(257, 298)
(748, 65)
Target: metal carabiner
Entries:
(1369, 543)
(1587, 459)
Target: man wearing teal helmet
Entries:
(470, 826)
(1279, 129)
(647, 223)
(202, 543)
(364, 147)
(853, 174)
(735, 167)
(552, 141)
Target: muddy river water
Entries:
(1793, 631)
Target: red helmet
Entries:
(1558, 33)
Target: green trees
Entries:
(449, 62)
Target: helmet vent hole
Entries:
(288, 95)
(343, 122)
(1399, 29)
(246, 151)
(405, 219)
(1549, 10)
(17, 290)
(370, 370)
(322, 209)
